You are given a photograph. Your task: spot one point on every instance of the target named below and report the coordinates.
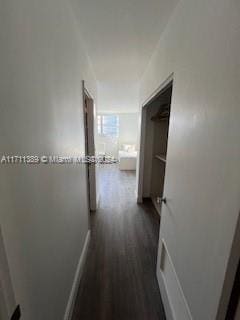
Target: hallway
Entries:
(119, 280)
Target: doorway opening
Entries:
(116, 141)
(153, 146)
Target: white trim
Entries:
(168, 308)
(77, 278)
(158, 90)
(168, 305)
(141, 154)
(7, 296)
(230, 273)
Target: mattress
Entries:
(125, 154)
(127, 160)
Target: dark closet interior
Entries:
(156, 142)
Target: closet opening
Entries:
(153, 146)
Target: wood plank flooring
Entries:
(119, 281)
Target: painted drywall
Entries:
(120, 36)
(128, 128)
(128, 134)
(43, 208)
(118, 96)
(201, 47)
(110, 144)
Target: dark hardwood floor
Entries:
(119, 281)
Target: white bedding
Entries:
(127, 160)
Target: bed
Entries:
(127, 160)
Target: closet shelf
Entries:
(161, 157)
(162, 114)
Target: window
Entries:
(108, 125)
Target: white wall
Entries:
(118, 96)
(43, 208)
(128, 128)
(128, 133)
(201, 46)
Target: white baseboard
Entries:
(77, 278)
(138, 197)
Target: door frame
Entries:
(7, 296)
(157, 92)
(88, 114)
(230, 276)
